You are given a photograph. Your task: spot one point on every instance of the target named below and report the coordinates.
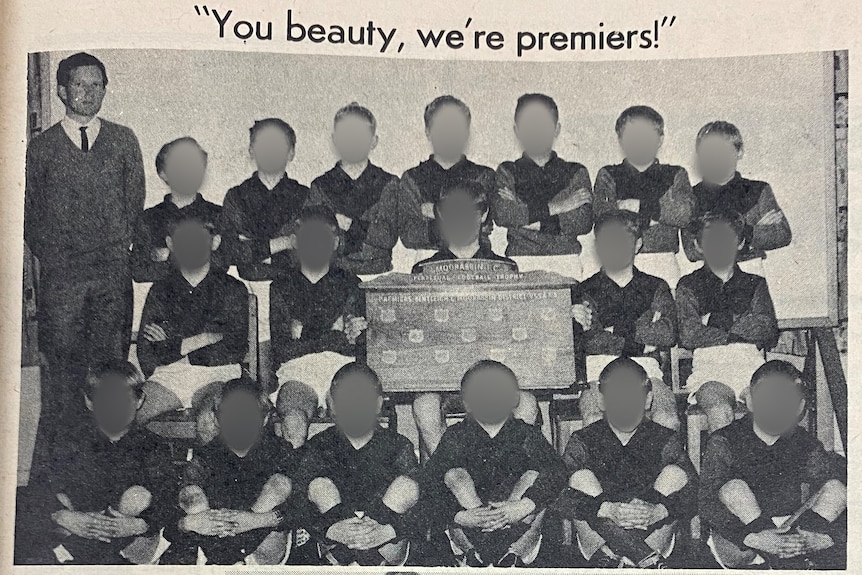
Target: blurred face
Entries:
(184, 169)
(460, 219)
(114, 404)
(85, 92)
(776, 404)
(491, 395)
(191, 245)
(536, 129)
(719, 244)
(449, 132)
(625, 399)
(271, 150)
(616, 247)
(353, 138)
(716, 158)
(240, 420)
(356, 405)
(640, 141)
(316, 241)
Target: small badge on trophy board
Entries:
(441, 355)
(519, 333)
(468, 335)
(389, 357)
(387, 315)
(495, 314)
(416, 336)
(441, 315)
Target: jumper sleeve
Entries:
(759, 326)
(232, 225)
(770, 236)
(161, 482)
(439, 499)
(604, 192)
(542, 458)
(511, 213)
(820, 466)
(661, 333)
(375, 257)
(681, 504)
(144, 269)
(575, 503)
(34, 190)
(692, 333)
(596, 340)
(232, 324)
(579, 221)
(134, 183)
(152, 354)
(678, 203)
(717, 469)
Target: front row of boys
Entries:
(354, 494)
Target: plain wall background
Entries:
(780, 103)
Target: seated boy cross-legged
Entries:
(461, 211)
(358, 477)
(111, 480)
(194, 326)
(630, 479)
(624, 312)
(492, 475)
(770, 493)
(726, 316)
(236, 500)
(317, 313)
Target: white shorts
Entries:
(663, 265)
(184, 379)
(316, 370)
(567, 265)
(597, 363)
(732, 364)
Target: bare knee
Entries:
(406, 489)
(135, 500)
(456, 476)
(281, 482)
(733, 491)
(192, 499)
(586, 482)
(671, 479)
(321, 488)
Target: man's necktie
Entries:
(85, 142)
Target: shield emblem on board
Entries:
(416, 336)
(441, 355)
(519, 333)
(441, 315)
(389, 357)
(387, 315)
(496, 314)
(468, 335)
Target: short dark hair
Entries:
(79, 60)
(779, 367)
(434, 106)
(472, 188)
(722, 128)
(188, 218)
(125, 369)
(243, 384)
(162, 156)
(355, 368)
(543, 99)
(355, 109)
(642, 112)
(317, 213)
(627, 218)
(624, 363)
(485, 364)
(724, 215)
(259, 125)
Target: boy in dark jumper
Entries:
(624, 312)
(726, 316)
(631, 480)
(659, 193)
(318, 313)
(492, 476)
(84, 193)
(460, 212)
(353, 188)
(719, 148)
(236, 501)
(112, 480)
(407, 210)
(543, 200)
(194, 327)
(359, 477)
(182, 165)
(769, 491)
